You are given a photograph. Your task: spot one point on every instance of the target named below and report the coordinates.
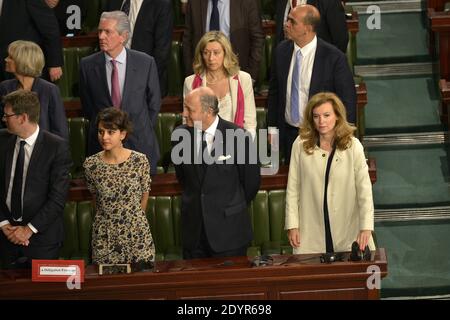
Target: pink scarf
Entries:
(239, 116)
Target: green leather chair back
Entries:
(164, 214)
(78, 218)
(78, 133)
(167, 122)
(69, 82)
(267, 212)
(176, 70)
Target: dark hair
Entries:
(23, 101)
(114, 119)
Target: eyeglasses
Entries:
(5, 116)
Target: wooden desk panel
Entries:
(291, 277)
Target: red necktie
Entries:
(115, 86)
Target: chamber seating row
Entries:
(164, 216)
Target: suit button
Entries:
(323, 155)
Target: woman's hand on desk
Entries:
(294, 237)
(363, 238)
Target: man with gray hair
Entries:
(123, 78)
(214, 217)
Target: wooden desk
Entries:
(444, 87)
(290, 277)
(440, 24)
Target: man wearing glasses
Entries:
(34, 181)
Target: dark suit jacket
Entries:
(333, 26)
(30, 20)
(140, 99)
(218, 200)
(46, 186)
(152, 33)
(53, 115)
(330, 73)
(246, 33)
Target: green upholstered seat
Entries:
(164, 214)
(176, 70)
(69, 82)
(167, 122)
(77, 231)
(78, 133)
(267, 212)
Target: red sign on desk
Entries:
(57, 270)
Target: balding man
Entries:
(219, 177)
(302, 67)
(333, 24)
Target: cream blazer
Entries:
(249, 99)
(350, 202)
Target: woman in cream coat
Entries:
(216, 66)
(347, 215)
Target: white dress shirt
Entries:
(121, 67)
(209, 135)
(28, 150)
(308, 53)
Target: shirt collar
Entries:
(121, 58)
(31, 140)
(309, 48)
(211, 130)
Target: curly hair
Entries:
(343, 129)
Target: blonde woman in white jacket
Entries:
(216, 66)
(329, 202)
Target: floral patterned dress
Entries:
(120, 232)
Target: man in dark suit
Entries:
(31, 20)
(320, 67)
(151, 30)
(122, 78)
(332, 28)
(34, 176)
(216, 188)
(240, 20)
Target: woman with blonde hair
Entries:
(216, 66)
(26, 60)
(329, 202)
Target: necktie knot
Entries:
(22, 143)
